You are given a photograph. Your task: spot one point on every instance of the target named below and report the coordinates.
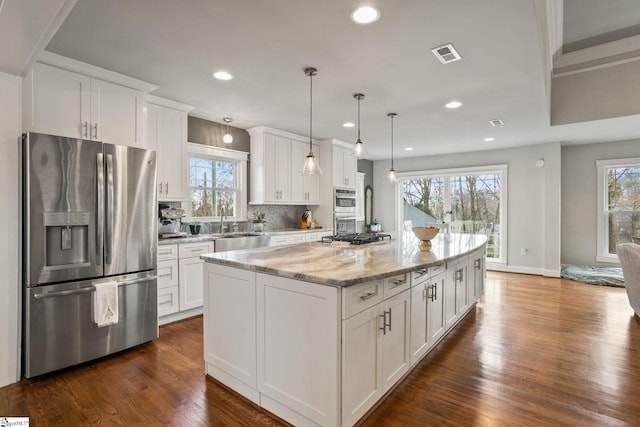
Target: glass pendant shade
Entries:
(227, 138)
(358, 148)
(311, 164)
(392, 171)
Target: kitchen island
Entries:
(317, 333)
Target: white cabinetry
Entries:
(344, 167)
(66, 103)
(375, 343)
(427, 310)
(230, 350)
(276, 160)
(455, 290)
(191, 274)
(167, 280)
(293, 370)
(476, 275)
(167, 134)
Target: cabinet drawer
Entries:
(420, 275)
(437, 269)
(167, 300)
(396, 284)
(297, 238)
(166, 252)
(188, 250)
(316, 236)
(278, 240)
(360, 297)
(167, 273)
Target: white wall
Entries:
(9, 229)
(579, 197)
(528, 212)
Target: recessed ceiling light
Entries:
(222, 75)
(453, 104)
(496, 122)
(365, 15)
(489, 139)
(408, 149)
(348, 125)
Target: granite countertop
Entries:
(342, 264)
(189, 238)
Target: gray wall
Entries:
(529, 214)
(366, 166)
(579, 197)
(206, 132)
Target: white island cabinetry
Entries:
(320, 352)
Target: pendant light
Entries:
(392, 171)
(227, 138)
(358, 149)
(311, 165)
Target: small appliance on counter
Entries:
(169, 222)
(375, 226)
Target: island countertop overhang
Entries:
(341, 265)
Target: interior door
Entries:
(131, 225)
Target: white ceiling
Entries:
(267, 44)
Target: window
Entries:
(216, 182)
(618, 205)
(471, 200)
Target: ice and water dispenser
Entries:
(67, 239)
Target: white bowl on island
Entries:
(425, 234)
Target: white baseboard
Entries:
(181, 315)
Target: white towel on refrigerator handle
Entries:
(105, 304)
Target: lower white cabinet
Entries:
(427, 314)
(180, 279)
(298, 344)
(230, 327)
(375, 353)
(455, 290)
(476, 275)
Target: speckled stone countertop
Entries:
(341, 264)
(209, 237)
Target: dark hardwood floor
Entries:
(534, 352)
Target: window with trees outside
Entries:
(216, 183)
(470, 200)
(618, 205)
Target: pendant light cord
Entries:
(392, 117)
(358, 118)
(311, 112)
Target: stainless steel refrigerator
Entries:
(89, 217)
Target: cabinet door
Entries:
(230, 322)
(172, 154)
(191, 283)
(277, 169)
(450, 313)
(419, 321)
(396, 355)
(57, 102)
(435, 309)
(350, 166)
(298, 346)
(362, 383)
(460, 277)
(116, 114)
(476, 269)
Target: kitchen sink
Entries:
(236, 241)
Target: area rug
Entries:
(605, 276)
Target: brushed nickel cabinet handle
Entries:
(368, 295)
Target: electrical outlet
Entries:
(523, 251)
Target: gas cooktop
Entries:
(357, 238)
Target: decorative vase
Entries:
(258, 227)
(194, 229)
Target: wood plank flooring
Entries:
(534, 352)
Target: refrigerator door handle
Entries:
(100, 208)
(110, 213)
(90, 288)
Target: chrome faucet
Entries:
(222, 216)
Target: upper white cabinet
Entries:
(59, 100)
(344, 167)
(167, 134)
(276, 160)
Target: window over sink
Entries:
(217, 183)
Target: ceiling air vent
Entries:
(446, 53)
(496, 122)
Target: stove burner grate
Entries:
(357, 238)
